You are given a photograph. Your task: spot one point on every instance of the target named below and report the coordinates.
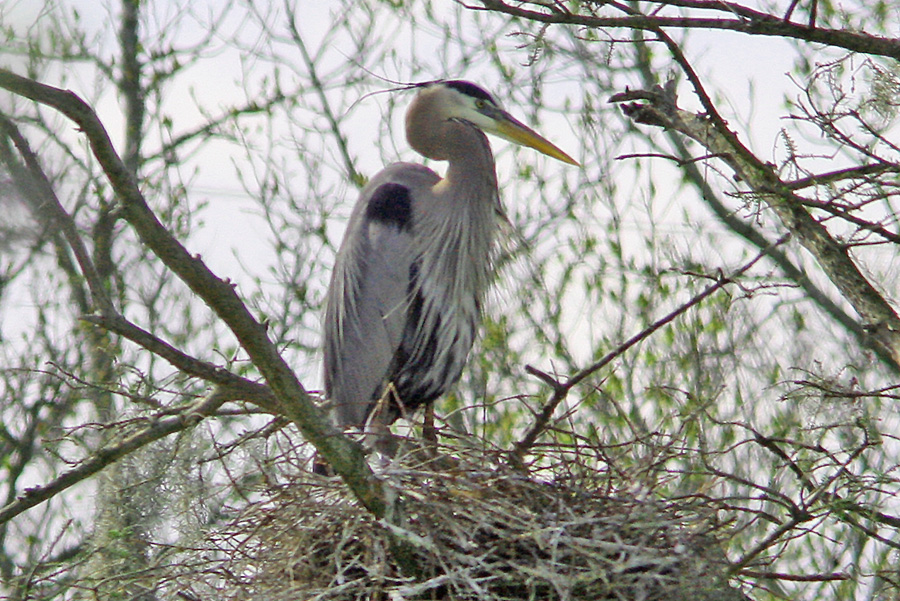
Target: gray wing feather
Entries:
(366, 308)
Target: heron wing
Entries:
(368, 299)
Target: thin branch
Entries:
(347, 457)
(333, 123)
(878, 315)
(749, 22)
(209, 128)
(158, 429)
(774, 538)
(680, 161)
(845, 505)
(248, 390)
(44, 203)
(834, 576)
(754, 237)
(858, 172)
(863, 224)
(561, 389)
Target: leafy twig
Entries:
(657, 107)
(561, 389)
(105, 456)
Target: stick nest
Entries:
(477, 530)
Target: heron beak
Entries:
(510, 128)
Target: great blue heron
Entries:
(405, 297)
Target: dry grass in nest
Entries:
(479, 530)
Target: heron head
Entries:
(465, 101)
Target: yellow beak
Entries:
(510, 128)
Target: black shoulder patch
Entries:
(391, 204)
(469, 89)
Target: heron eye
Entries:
(480, 104)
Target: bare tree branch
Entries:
(743, 20)
(48, 209)
(658, 107)
(344, 455)
(158, 429)
(752, 235)
(561, 389)
(243, 388)
(856, 172)
(131, 85)
(333, 123)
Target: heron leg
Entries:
(378, 435)
(429, 432)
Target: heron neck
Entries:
(471, 163)
(456, 224)
(444, 139)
